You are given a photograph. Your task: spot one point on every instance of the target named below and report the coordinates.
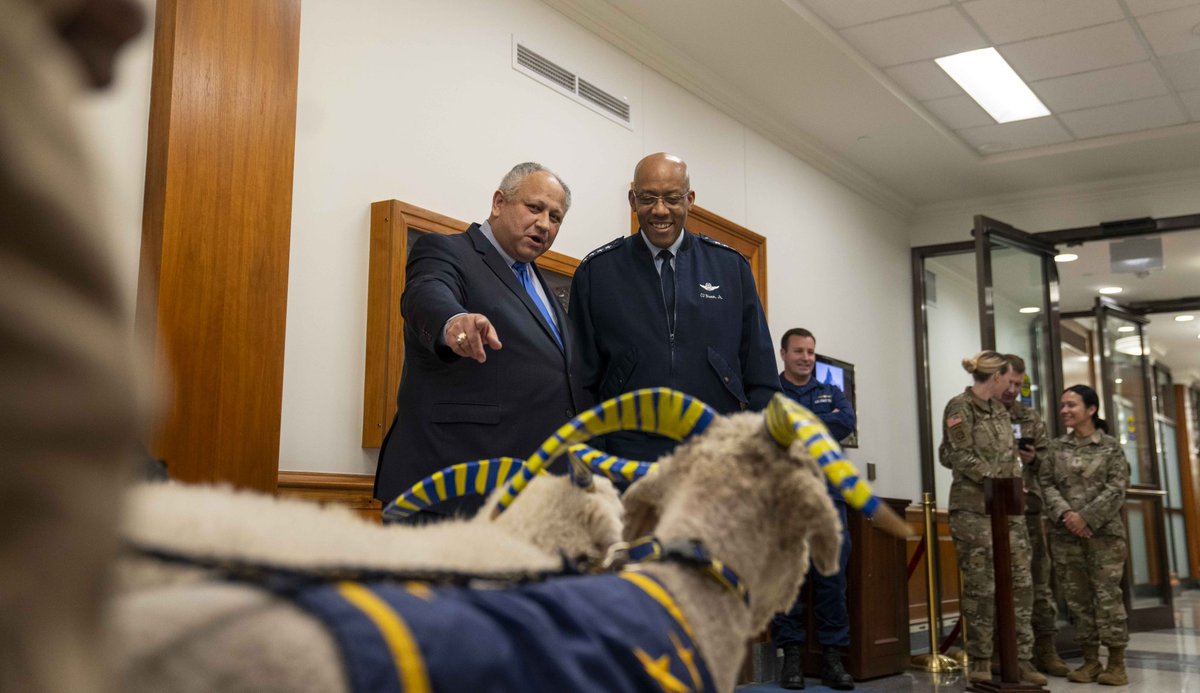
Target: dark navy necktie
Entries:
(527, 281)
(667, 277)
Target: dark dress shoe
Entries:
(792, 675)
(833, 674)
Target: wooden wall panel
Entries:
(1189, 474)
(353, 491)
(213, 285)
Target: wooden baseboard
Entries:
(350, 490)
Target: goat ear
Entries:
(643, 504)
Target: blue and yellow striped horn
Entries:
(617, 469)
(788, 422)
(477, 478)
(653, 410)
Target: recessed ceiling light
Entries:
(988, 79)
(1131, 345)
(1110, 290)
(1066, 257)
(1184, 318)
(1118, 381)
(1126, 328)
(1030, 309)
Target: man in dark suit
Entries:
(670, 308)
(489, 365)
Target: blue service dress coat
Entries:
(721, 351)
(452, 409)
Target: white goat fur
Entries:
(756, 506)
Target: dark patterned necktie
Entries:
(667, 277)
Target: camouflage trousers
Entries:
(1045, 607)
(972, 534)
(1089, 574)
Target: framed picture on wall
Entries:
(840, 374)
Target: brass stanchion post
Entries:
(934, 662)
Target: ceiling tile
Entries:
(1100, 87)
(1006, 21)
(959, 112)
(1182, 69)
(915, 37)
(1095, 48)
(1140, 7)
(1172, 32)
(924, 80)
(843, 13)
(1132, 116)
(1022, 134)
(1191, 99)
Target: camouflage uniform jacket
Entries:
(977, 444)
(1027, 423)
(1087, 475)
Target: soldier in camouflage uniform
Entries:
(1028, 428)
(1083, 482)
(977, 444)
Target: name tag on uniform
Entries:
(823, 399)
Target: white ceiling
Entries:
(851, 87)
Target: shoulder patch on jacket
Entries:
(603, 249)
(712, 241)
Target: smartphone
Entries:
(1024, 442)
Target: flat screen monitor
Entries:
(840, 374)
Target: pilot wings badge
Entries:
(710, 287)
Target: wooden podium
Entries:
(877, 599)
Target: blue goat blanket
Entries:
(592, 633)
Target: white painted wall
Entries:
(115, 124)
(418, 101)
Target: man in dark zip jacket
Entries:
(669, 308)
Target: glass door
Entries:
(1018, 308)
(1126, 395)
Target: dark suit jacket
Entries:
(452, 409)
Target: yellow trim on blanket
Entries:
(656, 592)
(410, 666)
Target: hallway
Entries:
(1160, 661)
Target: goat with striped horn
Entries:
(718, 536)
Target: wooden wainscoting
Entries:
(350, 490)
(918, 601)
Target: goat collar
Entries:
(690, 552)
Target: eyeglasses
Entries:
(648, 200)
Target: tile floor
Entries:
(1161, 661)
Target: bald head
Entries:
(661, 196)
(662, 162)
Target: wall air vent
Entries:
(537, 64)
(603, 99)
(567, 82)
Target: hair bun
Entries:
(969, 365)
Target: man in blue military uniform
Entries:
(798, 349)
(669, 308)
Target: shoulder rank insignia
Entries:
(602, 249)
(713, 241)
